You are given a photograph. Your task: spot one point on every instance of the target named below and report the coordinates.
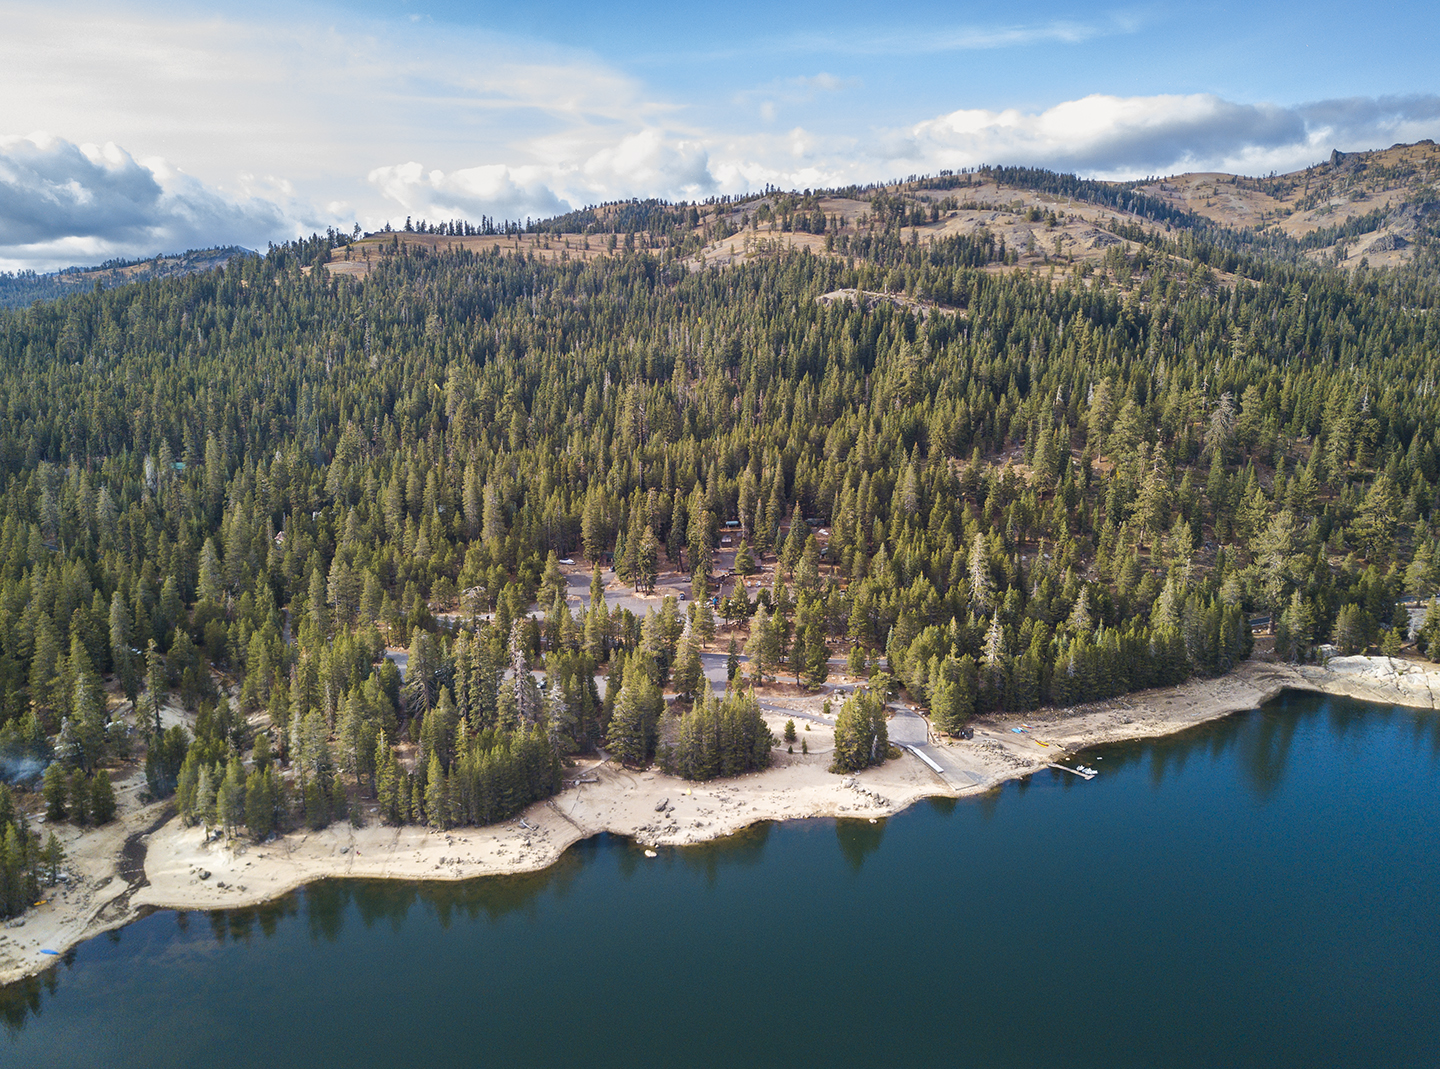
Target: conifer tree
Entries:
(861, 735)
(745, 560)
(763, 647)
(154, 686)
(230, 798)
(648, 561)
(689, 671)
(260, 803)
(388, 786)
(102, 798)
(205, 807)
(627, 739)
(55, 791)
(437, 800)
(816, 669)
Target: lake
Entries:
(1260, 891)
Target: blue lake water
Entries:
(1261, 891)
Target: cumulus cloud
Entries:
(493, 189)
(1098, 135)
(1131, 136)
(1107, 134)
(287, 125)
(60, 201)
(673, 167)
(647, 162)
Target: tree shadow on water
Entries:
(22, 1001)
(744, 848)
(859, 839)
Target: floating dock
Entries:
(1073, 771)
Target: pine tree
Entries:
(627, 740)
(317, 805)
(979, 575)
(388, 786)
(763, 647)
(55, 791)
(230, 798)
(703, 621)
(102, 798)
(689, 671)
(1352, 629)
(53, 855)
(817, 658)
(794, 541)
(205, 808)
(437, 796)
(260, 804)
(861, 735)
(121, 656)
(154, 686)
(340, 808)
(648, 561)
(745, 560)
(211, 582)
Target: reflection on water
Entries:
(745, 849)
(22, 1000)
(1261, 742)
(1122, 846)
(859, 839)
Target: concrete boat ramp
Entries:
(909, 730)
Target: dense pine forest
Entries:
(231, 492)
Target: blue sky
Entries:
(130, 128)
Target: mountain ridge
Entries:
(20, 288)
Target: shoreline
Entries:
(114, 883)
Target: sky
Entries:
(133, 128)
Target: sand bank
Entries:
(146, 859)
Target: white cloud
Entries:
(311, 101)
(649, 163)
(650, 159)
(60, 201)
(1134, 136)
(1098, 135)
(284, 126)
(492, 189)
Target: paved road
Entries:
(907, 727)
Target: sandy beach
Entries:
(146, 859)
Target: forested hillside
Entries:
(22, 287)
(1000, 489)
